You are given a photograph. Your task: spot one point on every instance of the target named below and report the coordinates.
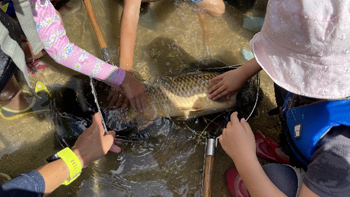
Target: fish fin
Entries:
(144, 126)
(198, 105)
(186, 111)
(184, 116)
(143, 122)
(146, 118)
(183, 108)
(197, 108)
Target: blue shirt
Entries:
(29, 184)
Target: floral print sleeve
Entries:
(58, 46)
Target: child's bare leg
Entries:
(214, 7)
(10, 90)
(13, 98)
(28, 52)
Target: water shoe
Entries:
(36, 105)
(235, 184)
(266, 148)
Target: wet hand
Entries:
(135, 92)
(238, 140)
(228, 84)
(93, 143)
(117, 98)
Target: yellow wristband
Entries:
(73, 163)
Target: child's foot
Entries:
(24, 103)
(19, 102)
(235, 183)
(268, 149)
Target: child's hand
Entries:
(117, 98)
(135, 92)
(228, 84)
(93, 143)
(238, 140)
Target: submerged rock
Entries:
(253, 23)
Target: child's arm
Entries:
(128, 27)
(57, 45)
(238, 142)
(91, 145)
(230, 82)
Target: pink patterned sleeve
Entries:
(58, 46)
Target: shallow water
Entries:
(170, 161)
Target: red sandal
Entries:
(235, 184)
(266, 148)
(34, 67)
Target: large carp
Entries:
(184, 96)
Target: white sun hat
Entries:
(304, 46)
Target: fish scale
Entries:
(184, 96)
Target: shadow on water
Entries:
(153, 13)
(164, 14)
(169, 59)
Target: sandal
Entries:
(266, 148)
(36, 105)
(235, 183)
(34, 66)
